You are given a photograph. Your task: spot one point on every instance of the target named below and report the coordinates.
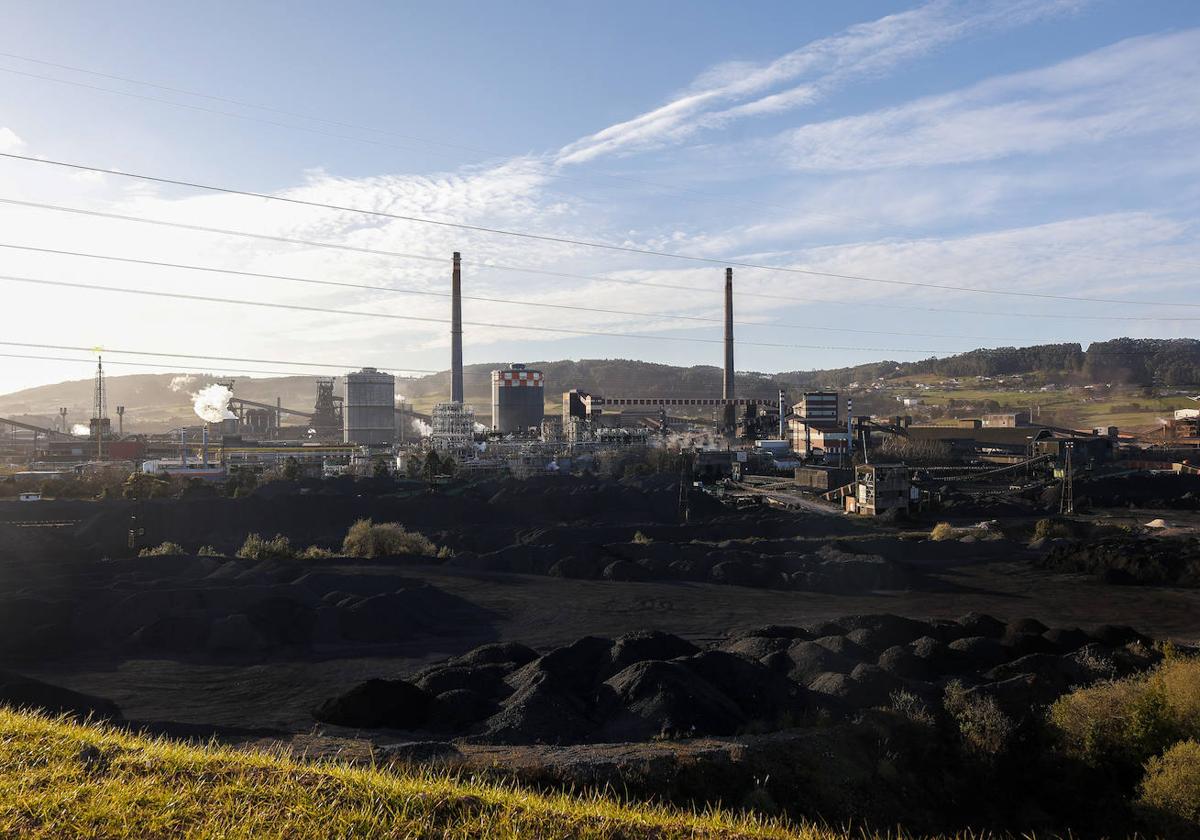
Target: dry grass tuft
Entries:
(62, 780)
(368, 539)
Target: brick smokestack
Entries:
(456, 362)
(727, 389)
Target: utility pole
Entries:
(849, 431)
(781, 415)
(120, 421)
(1067, 502)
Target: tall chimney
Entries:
(456, 363)
(727, 390)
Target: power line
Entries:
(551, 273)
(563, 240)
(475, 298)
(107, 350)
(431, 293)
(390, 316)
(144, 364)
(679, 189)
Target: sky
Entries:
(1023, 151)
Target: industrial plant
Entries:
(809, 446)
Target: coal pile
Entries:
(222, 608)
(811, 566)
(649, 685)
(1153, 491)
(1160, 561)
(20, 692)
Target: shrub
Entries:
(983, 726)
(642, 539)
(368, 539)
(1170, 790)
(257, 548)
(1130, 720)
(1048, 529)
(906, 703)
(315, 552)
(942, 531)
(208, 551)
(163, 549)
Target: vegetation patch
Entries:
(59, 780)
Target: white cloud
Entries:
(740, 89)
(9, 141)
(1136, 87)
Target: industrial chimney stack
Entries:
(727, 390)
(456, 359)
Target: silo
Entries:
(369, 413)
(518, 399)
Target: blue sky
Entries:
(1047, 147)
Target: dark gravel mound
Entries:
(220, 608)
(1153, 491)
(24, 693)
(394, 704)
(648, 685)
(1160, 561)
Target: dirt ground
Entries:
(545, 612)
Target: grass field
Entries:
(65, 780)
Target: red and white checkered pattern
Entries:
(517, 378)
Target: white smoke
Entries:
(179, 383)
(81, 430)
(481, 429)
(421, 427)
(211, 404)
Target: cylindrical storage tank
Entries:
(518, 399)
(369, 412)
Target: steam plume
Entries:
(211, 404)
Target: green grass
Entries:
(60, 779)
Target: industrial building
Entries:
(518, 400)
(879, 489)
(369, 413)
(452, 429)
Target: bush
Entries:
(1048, 529)
(208, 551)
(315, 552)
(983, 726)
(1170, 790)
(906, 703)
(642, 539)
(1130, 720)
(257, 548)
(943, 531)
(163, 549)
(368, 539)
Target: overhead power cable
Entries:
(432, 293)
(491, 266)
(563, 240)
(390, 316)
(211, 358)
(683, 191)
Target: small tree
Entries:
(380, 470)
(141, 485)
(258, 548)
(432, 466)
(368, 539)
(413, 465)
(291, 469)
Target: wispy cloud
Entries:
(743, 89)
(9, 141)
(1136, 87)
